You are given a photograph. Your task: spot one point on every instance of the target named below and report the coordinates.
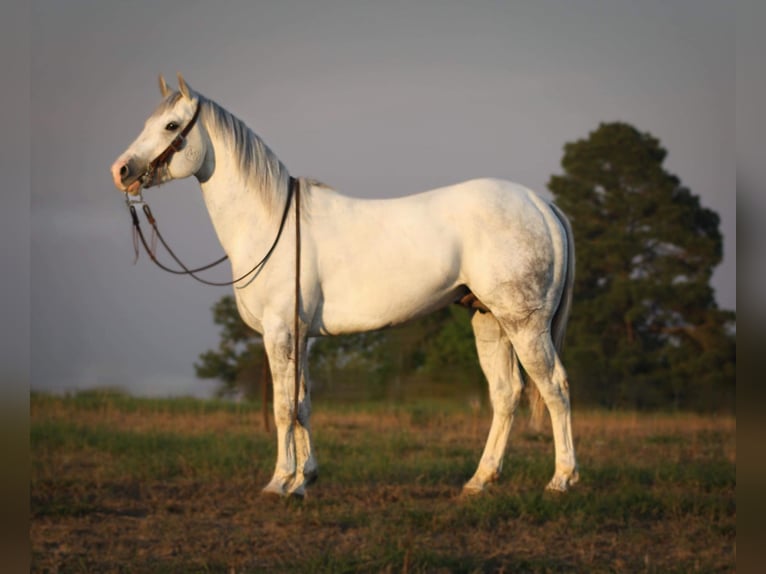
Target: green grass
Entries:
(126, 484)
(155, 455)
(105, 399)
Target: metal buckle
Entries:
(133, 200)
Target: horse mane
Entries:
(259, 166)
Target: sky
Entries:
(377, 99)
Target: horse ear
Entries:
(164, 90)
(183, 88)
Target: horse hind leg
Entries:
(505, 385)
(537, 353)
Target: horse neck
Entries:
(243, 213)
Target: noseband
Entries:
(162, 161)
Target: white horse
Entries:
(369, 264)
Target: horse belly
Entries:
(381, 293)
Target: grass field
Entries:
(121, 484)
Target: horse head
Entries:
(171, 145)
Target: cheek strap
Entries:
(176, 145)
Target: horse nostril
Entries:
(124, 171)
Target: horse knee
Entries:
(282, 414)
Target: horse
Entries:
(366, 264)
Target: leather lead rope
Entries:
(296, 323)
(292, 190)
(265, 380)
(151, 249)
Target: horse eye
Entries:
(171, 127)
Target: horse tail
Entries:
(560, 317)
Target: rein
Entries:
(293, 189)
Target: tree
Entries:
(645, 329)
(239, 361)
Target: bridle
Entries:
(162, 161)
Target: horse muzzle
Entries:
(127, 177)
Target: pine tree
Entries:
(645, 329)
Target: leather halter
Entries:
(163, 160)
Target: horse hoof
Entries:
(561, 483)
(471, 489)
(272, 489)
(272, 494)
(557, 485)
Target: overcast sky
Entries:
(376, 99)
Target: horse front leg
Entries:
(307, 470)
(296, 466)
